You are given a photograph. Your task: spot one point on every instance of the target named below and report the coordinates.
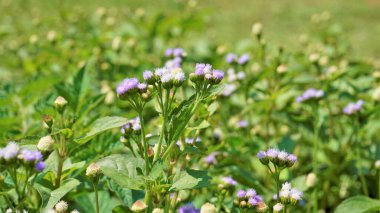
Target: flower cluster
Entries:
(233, 58)
(353, 108)
(278, 158)
(166, 77)
(188, 208)
(131, 127)
(131, 88)
(289, 195)
(205, 73)
(12, 153)
(176, 56)
(211, 159)
(310, 94)
(250, 200)
(189, 141)
(227, 183)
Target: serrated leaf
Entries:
(122, 169)
(101, 125)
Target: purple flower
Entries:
(252, 201)
(188, 208)
(40, 165)
(174, 63)
(210, 159)
(142, 86)
(169, 52)
(310, 94)
(261, 155)
(242, 124)
(229, 181)
(353, 107)
(147, 75)
(243, 59)
(240, 194)
(272, 153)
(31, 155)
(230, 58)
(251, 193)
(217, 75)
(129, 84)
(258, 198)
(178, 52)
(292, 158)
(202, 69)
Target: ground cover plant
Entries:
(126, 111)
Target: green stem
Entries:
(94, 184)
(144, 142)
(378, 184)
(59, 171)
(315, 159)
(277, 179)
(164, 114)
(360, 168)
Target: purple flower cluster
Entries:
(211, 158)
(130, 87)
(188, 208)
(233, 58)
(249, 199)
(228, 182)
(12, 153)
(310, 94)
(353, 107)
(279, 158)
(204, 72)
(175, 52)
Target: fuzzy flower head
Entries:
(211, 159)
(288, 194)
(10, 151)
(243, 59)
(30, 155)
(128, 86)
(231, 58)
(279, 158)
(241, 194)
(229, 181)
(40, 165)
(188, 208)
(353, 108)
(310, 94)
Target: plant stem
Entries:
(315, 159)
(359, 159)
(378, 184)
(164, 114)
(144, 142)
(94, 183)
(277, 179)
(59, 171)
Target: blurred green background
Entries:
(231, 21)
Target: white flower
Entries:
(286, 186)
(278, 207)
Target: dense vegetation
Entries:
(125, 111)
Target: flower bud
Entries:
(93, 170)
(138, 206)
(61, 206)
(46, 144)
(377, 164)
(74, 211)
(60, 104)
(208, 208)
(263, 157)
(257, 29)
(48, 121)
(243, 204)
(282, 68)
(261, 207)
(376, 94)
(157, 210)
(282, 158)
(311, 180)
(149, 77)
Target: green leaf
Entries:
(56, 195)
(190, 179)
(101, 125)
(106, 202)
(358, 204)
(122, 169)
